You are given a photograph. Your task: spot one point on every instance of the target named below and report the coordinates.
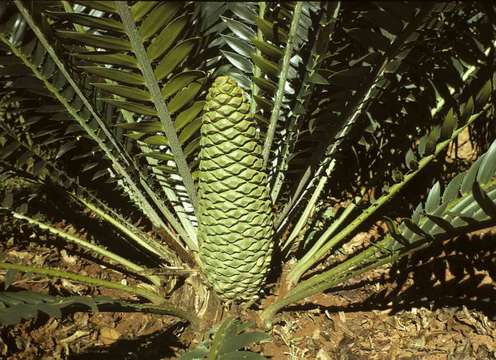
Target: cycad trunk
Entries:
(235, 213)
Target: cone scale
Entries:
(235, 213)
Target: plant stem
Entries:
(360, 102)
(158, 99)
(128, 117)
(328, 233)
(159, 305)
(306, 89)
(256, 70)
(135, 268)
(304, 265)
(121, 161)
(370, 257)
(283, 75)
(334, 276)
(149, 244)
(153, 297)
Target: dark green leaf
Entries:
(116, 75)
(92, 22)
(158, 18)
(381, 19)
(198, 353)
(243, 11)
(9, 278)
(449, 125)
(487, 205)
(442, 223)
(432, 139)
(184, 97)
(190, 130)
(188, 115)
(240, 46)
(241, 341)
(143, 126)
(487, 169)
(266, 85)
(50, 310)
(179, 81)
(422, 144)
(239, 29)
(264, 104)
(433, 198)
(403, 240)
(167, 169)
(132, 93)
(109, 58)
(132, 106)
(82, 300)
(272, 31)
(65, 148)
(411, 160)
(98, 41)
(415, 228)
(141, 8)
(98, 174)
(242, 80)
(8, 150)
(10, 316)
(156, 140)
(157, 155)
(470, 176)
(167, 37)
(268, 67)
(316, 78)
(453, 188)
(484, 93)
(242, 63)
(174, 57)
(8, 200)
(467, 109)
(268, 49)
(10, 299)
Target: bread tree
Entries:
(228, 129)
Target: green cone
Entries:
(235, 212)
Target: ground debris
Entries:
(420, 333)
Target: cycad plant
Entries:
(243, 136)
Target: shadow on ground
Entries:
(456, 273)
(460, 272)
(159, 345)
